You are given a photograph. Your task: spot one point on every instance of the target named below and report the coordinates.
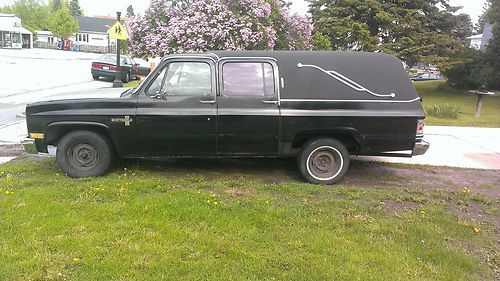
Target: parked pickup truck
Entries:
(319, 107)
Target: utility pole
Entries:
(118, 81)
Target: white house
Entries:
(93, 31)
(43, 36)
(475, 41)
(12, 34)
(91, 36)
(481, 41)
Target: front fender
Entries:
(56, 130)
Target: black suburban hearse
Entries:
(319, 107)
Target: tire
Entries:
(95, 77)
(323, 161)
(83, 154)
(126, 78)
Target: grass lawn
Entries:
(490, 112)
(132, 84)
(151, 221)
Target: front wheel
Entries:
(84, 154)
(323, 161)
(95, 77)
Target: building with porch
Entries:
(12, 34)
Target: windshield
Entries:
(111, 58)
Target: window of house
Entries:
(183, 79)
(248, 79)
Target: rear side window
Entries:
(254, 79)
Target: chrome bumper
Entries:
(420, 148)
(29, 146)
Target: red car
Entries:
(105, 66)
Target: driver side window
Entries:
(182, 79)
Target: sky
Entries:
(109, 7)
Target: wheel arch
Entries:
(349, 137)
(57, 130)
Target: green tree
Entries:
(492, 68)
(74, 8)
(480, 68)
(61, 24)
(417, 30)
(321, 42)
(130, 11)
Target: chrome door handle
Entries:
(270, 101)
(207, 101)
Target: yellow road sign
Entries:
(117, 31)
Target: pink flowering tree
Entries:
(199, 25)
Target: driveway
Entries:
(465, 147)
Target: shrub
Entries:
(448, 111)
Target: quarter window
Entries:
(183, 79)
(248, 79)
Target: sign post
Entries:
(118, 32)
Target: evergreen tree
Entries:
(74, 8)
(417, 30)
(492, 69)
(130, 11)
(55, 5)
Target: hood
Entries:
(102, 93)
(89, 99)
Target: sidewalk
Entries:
(464, 147)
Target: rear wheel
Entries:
(323, 161)
(126, 78)
(84, 154)
(96, 77)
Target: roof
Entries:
(7, 15)
(43, 32)
(12, 23)
(93, 24)
(334, 75)
(478, 36)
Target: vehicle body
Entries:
(319, 107)
(427, 77)
(105, 66)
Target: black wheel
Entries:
(84, 154)
(126, 78)
(323, 161)
(96, 77)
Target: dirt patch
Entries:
(483, 182)
(475, 215)
(400, 207)
(11, 150)
(239, 192)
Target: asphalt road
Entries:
(39, 74)
(30, 75)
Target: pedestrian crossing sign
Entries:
(117, 31)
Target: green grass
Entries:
(132, 84)
(446, 111)
(490, 114)
(149, 222)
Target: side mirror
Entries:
(159, 95)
